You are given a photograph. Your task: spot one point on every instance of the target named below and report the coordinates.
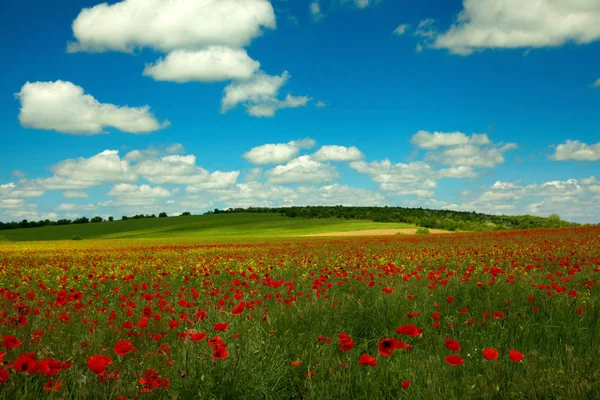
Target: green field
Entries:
(197, 226)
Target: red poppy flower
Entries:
(454, 360)
(296, 363)
(4, 376)
(450, 299)
(219, 352)
(515, 355)
(196, 337)
(53, 387)
(153, 381)
(239, 308)
(345, 342)
(435, 315)
(366, 359)
(490, 354)
(409, 330)
(221, 327)
(98, 364)
(50, 367)
(452, 344)
(10, 342)
(123, 347)
(399, 344)
(405, 384)
(386, 346)
(25, 364)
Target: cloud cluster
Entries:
(203, 41)
(461, 152)
(572, 199)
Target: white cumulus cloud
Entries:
(277, 153)
(505, 24)
(337, 153)
(302, 170)
(170, 25)
(215, 63)
(577, 151)
(260, 95)
(430, 141)
(64, 107)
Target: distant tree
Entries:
(97, 219)
(82, 220)
(162, 215)
(111, 219)
(554, 221)
(186, 213)
(124, 218)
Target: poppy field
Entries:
(474, 315)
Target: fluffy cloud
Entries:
(215, 63)
(302, 170)
(129, 195)
(278, 153)
(75, 195)
(484, 24)
(597, 83)
(430, 141)
(337, 153)
(175, 148)
(64, 107)
(315, 10)
(19, 191)
(401, 29)
(259, 95)
(74, 207)
(576, 151)
(458, 172)
(216, 180)
(472, 156)
(181, 169)
(170, 25)
(360, 3)
(142, 191)
(588, 181)
(461, 151)
(415, 178)
(81, 173)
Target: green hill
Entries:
(238, 225)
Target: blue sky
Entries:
(150, 106)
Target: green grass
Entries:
(200, 226)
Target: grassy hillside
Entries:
(198, 226)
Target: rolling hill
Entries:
(238, 225)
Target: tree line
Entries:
(439, 219)
(82, 220)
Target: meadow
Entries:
(498, 315)
(205, 227)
